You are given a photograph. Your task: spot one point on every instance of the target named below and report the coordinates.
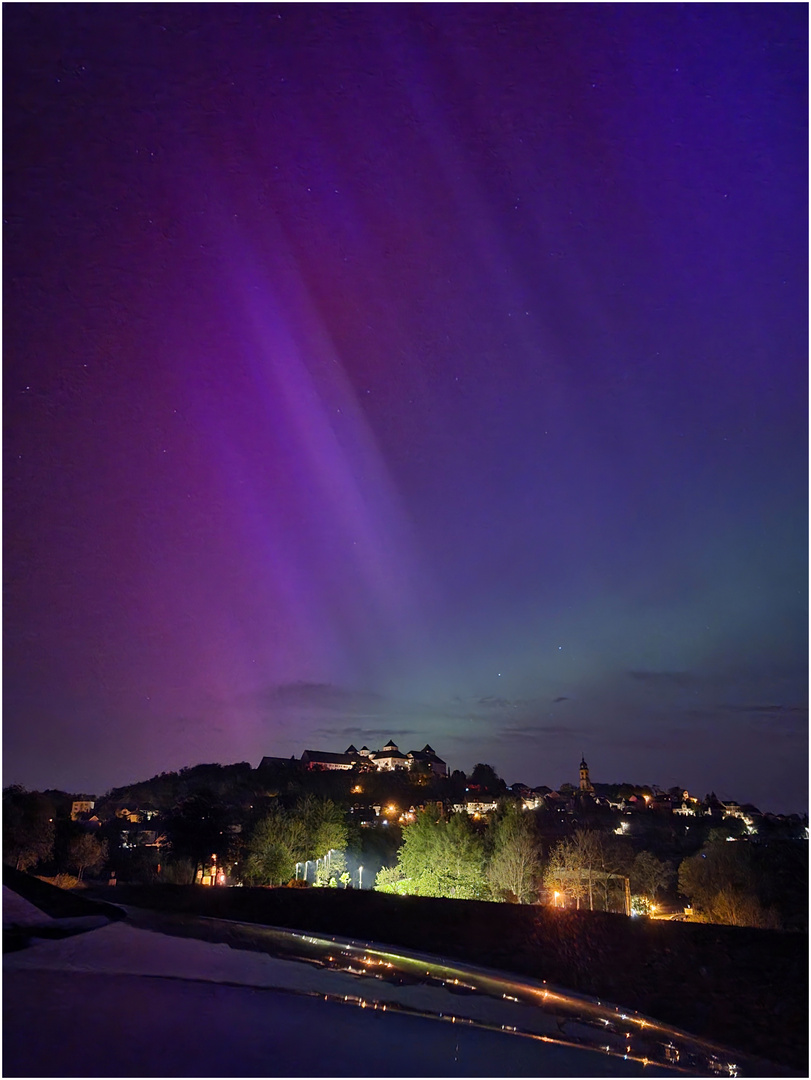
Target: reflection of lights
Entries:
(561, 1007)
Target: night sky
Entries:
(434, 372)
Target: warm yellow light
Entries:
(392, 809)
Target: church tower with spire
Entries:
(585, 783)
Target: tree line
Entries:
(263, 827)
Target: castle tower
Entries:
(585, 783)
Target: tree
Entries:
(274, 848)
(420, 773)
(614, 867)
(650, 875)
(721, 883)
(388, 878)
(332, 869)
(584, 863)
(514, 865)
(197, 829)
(28, 828)
(85, 852)
(485, 779)
(456, 785)
(563, 874)
(324, 824)
(440, 858)
(178, 872)
(311, 830)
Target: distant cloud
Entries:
(557, 700)
(783, 710)
(333, 712)
(490, 701)
(667, 678)
(524, 731)
(322, 696)
(787, 720)
(360, 733)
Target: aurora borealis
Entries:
(434, 372)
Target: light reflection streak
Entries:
(539, 1006)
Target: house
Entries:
(661, 803)
(278, 762)
(428, 757)
(532, 800)
(555, 801)
(81, 806)
(713, 806)
(321, 760)
(390, 758)
(476, 807)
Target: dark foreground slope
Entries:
(747, 989)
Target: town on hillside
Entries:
(344, 819)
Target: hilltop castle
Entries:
(389, 759)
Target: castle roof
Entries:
(322, 757)
(425, 755)
(386, 753)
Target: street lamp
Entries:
(557, 894)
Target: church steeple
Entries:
(585, 783)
